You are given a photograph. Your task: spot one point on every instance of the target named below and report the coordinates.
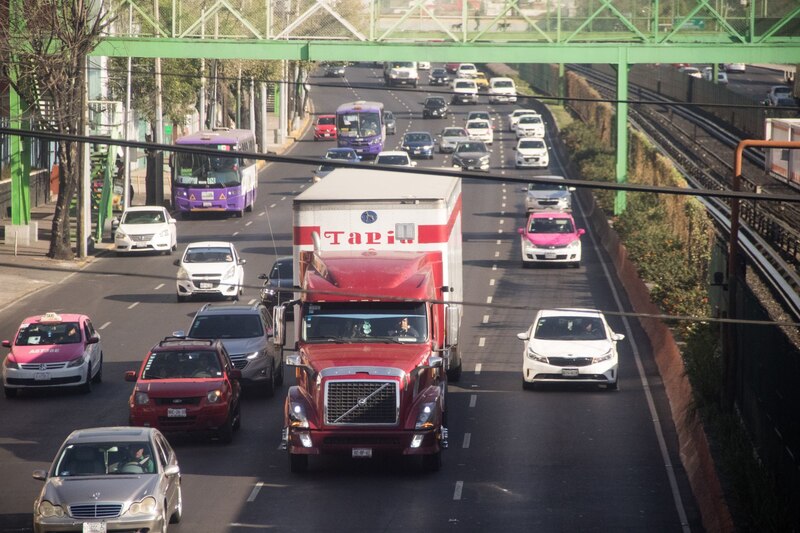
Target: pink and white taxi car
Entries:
(53, 350)
(551, 238)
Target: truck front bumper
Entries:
(364, 444)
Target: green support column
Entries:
(20, 167)
(620, 200)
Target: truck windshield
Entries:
(365, 322)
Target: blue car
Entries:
(418, 144)
(346, 154)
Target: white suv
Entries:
(465, 91)
(210, 268)
(401, 73)
(513, 117)
(530, 126)
(467, 70)
(502, 90)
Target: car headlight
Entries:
(574, 244)
(214, 396)
(78, 361)
(252, 355)
(297, 416)
(182, 273)
(121, 234)
(537, 357)
(605, 357)
(425, 416)
(484, 158)
(269, 292)
(229, 273)
(141, 398)
(163, 233)
(9, 363)
(49, 510)
(146, 506)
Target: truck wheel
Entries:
(432, 462)
(454, 374)
(298, 463)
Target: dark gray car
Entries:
(245, 331)
(472, 155)
(391, 124)
(110, 478)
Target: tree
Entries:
(46, 43)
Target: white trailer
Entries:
(781, 161)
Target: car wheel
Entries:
(225, 433)
(237, 420)
(613, 386)
(180, 297)
(279, 375)
(86, 388)
(432, 462)
(175, 247)
(178, 513)
(528, 385)
(576, 264)
(9, 393)
(298, 463)
(99, 376)
(269, 385)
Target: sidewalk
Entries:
(25, 270)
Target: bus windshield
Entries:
(207, 171)
(359, 124)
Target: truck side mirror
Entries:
(452, 322)
(279, 325)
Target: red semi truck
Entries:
(377, 320)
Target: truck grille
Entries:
(361, 402)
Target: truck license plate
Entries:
(362, 453)
(569, 372)
(94, 527)
(176, 413)
(41, 376)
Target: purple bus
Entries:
(202, 183)
(360, 126)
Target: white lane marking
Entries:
(497, 254)
(502, 221)
(251, 301)
(235, 233)
(494, 267)
(158, 286)
(273, 205)
(504, 197)
(651, 406)
(249, 222)
(478, 367)
(134, 304)
(503, 204)
(459, 488)
(485, 319)
(283, 198)
(302, 186)
(104, 326)
(473, 400)
(254, 492)
(261, 214)
(488, 299)
(482, 342)
(491, 281)
(467, 438)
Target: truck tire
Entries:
(298, 463)
(432, 462)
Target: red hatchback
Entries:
(187, 385)
(325, 127)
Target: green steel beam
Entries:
(20, 166)
(621, 127)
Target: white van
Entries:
(400, 73)
(502, 90)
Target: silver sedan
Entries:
(110, 479)
(450, 137)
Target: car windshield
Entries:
(465, 85)
(360, 322)
(143, 217)
(182, 365)
(478, 124)
(466, 66)
(546, 187)
(388, 116)
(418, 138)
(780, 91)
(341, 154)
(471, 147)
(532, 143)
(551, 225)
(105, 458)
(403, 64)
(454, 132)
(392, 160)
(439, 72)
(233, 326)
(45, 334)
(520, 112)
(570, 328)
(435, 102)
(208, 255)
(326, 120)
(503, 84)
(281, 270)
(530, 119)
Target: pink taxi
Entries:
(551, 238)
(53, 350)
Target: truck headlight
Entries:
(297, 416)
(146, 506)
(49, 510)
(426, 416)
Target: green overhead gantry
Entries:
(616, 32)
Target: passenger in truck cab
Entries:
(404, 329)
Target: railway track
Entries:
(703, 149)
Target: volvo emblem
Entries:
(368, 217)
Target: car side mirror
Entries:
(41, 475)
(581, 231)
(413, 163)
(523, 336)
(7, 344)
(172, 470)
(94, 339)
(235, 373)
(177, 262)
(130, 375)
(242, 261)
(179, 333)
(571, 189)
(263, 276)
(617, 337)
(521, 231)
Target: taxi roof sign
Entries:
(50, 317)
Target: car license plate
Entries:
(569, 372)
(176, 413)
(94, 527)
(41, 376)
(549, 255)
(362, 453)
(205, 285)
(417, 150)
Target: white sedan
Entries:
(146, 228)
(480, 129)
(575, 345)
(530, 126)
(531, 152)
(210, 268)
(513, 117)
(397, 158)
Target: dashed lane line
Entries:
(473, 400)
(482, 342)
(273, 205)
(159, 286)
(478, 367)
(491, 281)
(254, 492)
(458, 489)
(467, 439)
(104, 326)
(485, 319)
(134, 304)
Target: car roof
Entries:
(417, 133)
(113, 433)
(144, 208)
(550, 214)
(226, 309)
(55, 318)
(524, 112)
(392, 153)
(578, 311)
(210, 244)
(185, 343)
